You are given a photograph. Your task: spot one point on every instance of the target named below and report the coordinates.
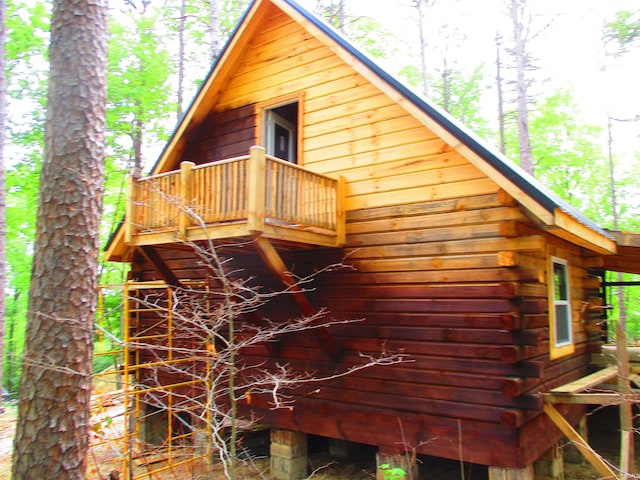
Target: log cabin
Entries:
(304, 151)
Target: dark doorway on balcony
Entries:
(281, 131)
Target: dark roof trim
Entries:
(543, 196)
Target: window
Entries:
(280, 131)
(561, 337)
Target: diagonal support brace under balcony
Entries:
(275, 263)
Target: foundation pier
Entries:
(551, 465)
(288, 455)
(386, 463)
(571, 452)
(499, 473)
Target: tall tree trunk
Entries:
(3, 201)
(622, 307)
(10, 344)
(215, 32)
(136, 136)
(52, 433)
(500, 92)
(421, 7)
(335, 13)
(181, 27)
(446, 85)
(517, 8)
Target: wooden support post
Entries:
(498, 473)
(185, 198)
(565, 427)
(386, 462)
(627, 462)
(256, 187)
(288, 455)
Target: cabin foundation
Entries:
(551, 465)
(288, 455)
(343, 448)
(154, 425)
(498, 473)
(387, 462)
(571, 452)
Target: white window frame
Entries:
(560, 309)
(271, 120)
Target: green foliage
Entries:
(363, 31)
(457, 92)
(411, 75)
(569, 155)
(371, 37)
(623, 31)
(139, 92)
(460, 93)
(27, 72)
(392, 473)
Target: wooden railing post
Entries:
(130, 214)
(185, 198)
(256, 188)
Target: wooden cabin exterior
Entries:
(459, 260)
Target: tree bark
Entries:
(53, 417)
(499, 89)
(520, 55)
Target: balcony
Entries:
(249, 196)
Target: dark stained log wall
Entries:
(224, 135)
(459, 287)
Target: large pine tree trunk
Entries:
(53, 425)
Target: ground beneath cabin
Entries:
(602, 431)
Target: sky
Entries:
(568, 50)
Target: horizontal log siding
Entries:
(350, 127)
(439, 282)
(224, 135)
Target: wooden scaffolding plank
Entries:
(587, 382)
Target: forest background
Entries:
(573, 69)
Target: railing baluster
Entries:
(251, 188)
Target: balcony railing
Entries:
(254, 194)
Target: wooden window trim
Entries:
(557, 351)
(278, 102)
